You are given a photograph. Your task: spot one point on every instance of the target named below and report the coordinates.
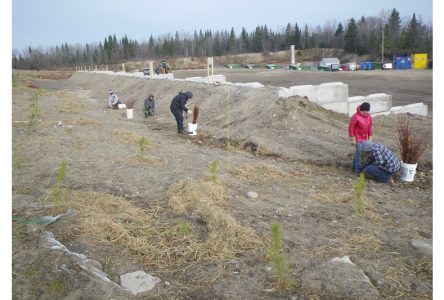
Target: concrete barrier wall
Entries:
(420, 109)
(320, 94)
(378, 103)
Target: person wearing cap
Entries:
(113, 100)
(178, 106)
(360, 130)
(381, 162)
(149, 106)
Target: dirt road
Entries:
(405, 86)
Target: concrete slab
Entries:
(138, 282)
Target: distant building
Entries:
(328, 61)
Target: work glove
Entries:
(352, 141)
(190, 112)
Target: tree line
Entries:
(368, 35)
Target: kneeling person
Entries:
(381, 162)
(149, 106)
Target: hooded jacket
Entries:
(178, 102)
(360, 126)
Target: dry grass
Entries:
(108, 219)
(208, 199)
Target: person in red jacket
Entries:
(360, 130)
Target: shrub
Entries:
(195, 113)
(411, 144)
(130, 103)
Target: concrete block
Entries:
(416, 108)
(340, 107)
(308, 91)
(331, 92)
(380, 102)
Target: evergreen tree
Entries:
(351, 37)
(394, 28)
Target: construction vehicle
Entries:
(163, 68)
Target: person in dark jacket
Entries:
(149, 106)
(178, 106)
(381, 162)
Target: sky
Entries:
(45, 23)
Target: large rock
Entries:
(138, 282)
(339, 278)
(423, 246)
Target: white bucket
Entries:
(121, 106)
(129, 113)
(408, 171)
(192, 129)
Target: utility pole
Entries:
(382, 56)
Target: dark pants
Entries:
(179, 119)
(379, 174)
(149, 112)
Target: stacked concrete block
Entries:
(420, 109)
(378, 102)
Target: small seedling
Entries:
(35, 112)
(181, 229)
(61, 173)
(56, 192)
(278, 262)
(56, 286)
(360, 186)
(213, 168)
(142, 143)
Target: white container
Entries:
(129, 113)
(408, 171)
(192, 129)
(121, 106)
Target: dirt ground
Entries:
(293, 154)
(405, 86)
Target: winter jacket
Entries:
(360, 126)
(383, 158)
(113, 99)
(149, 104)
(178, 103)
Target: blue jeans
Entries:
(357, 158)
(379, 174)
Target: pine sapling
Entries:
(278, 262)
(212, 169)
(142, 143)
(360, 186)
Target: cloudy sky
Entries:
(44, 23)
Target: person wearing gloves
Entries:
(149, 106)
(360, 130)
(381, 162)
(113, 100)
(178, 106)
